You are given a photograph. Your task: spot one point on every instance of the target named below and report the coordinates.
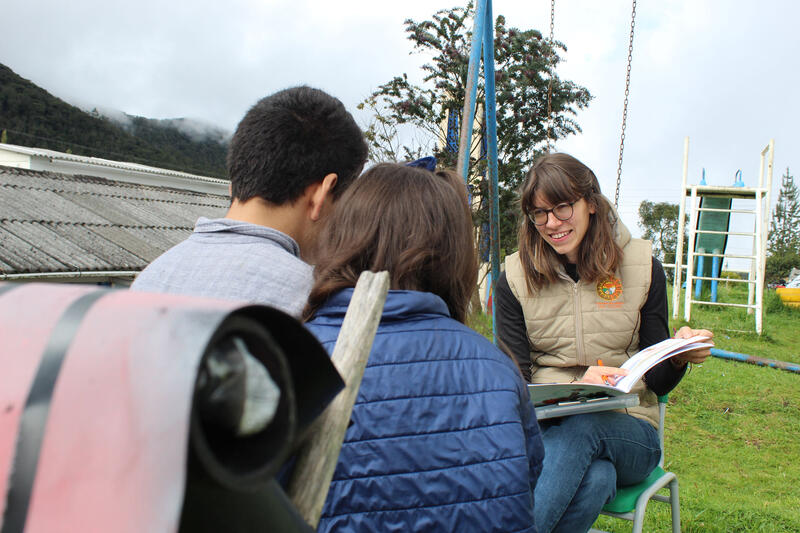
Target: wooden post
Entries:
(316, 462)
(676, 280)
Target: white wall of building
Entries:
(11, 158)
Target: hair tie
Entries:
(428, 163)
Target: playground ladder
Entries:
(755, 281)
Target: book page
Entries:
(643, 361)
(637, 366)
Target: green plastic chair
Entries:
(631, 501)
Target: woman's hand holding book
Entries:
(603, 375)
(697, 356)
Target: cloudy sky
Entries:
(723, 72)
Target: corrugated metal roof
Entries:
(51, 222)
(21, 254)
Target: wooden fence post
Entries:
(317, 460)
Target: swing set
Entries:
(483, 41)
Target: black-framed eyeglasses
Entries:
(562, 211)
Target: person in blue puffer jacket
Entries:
(443, 435)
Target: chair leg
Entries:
(638, 517)
(675, 505)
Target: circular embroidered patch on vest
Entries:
(610, 289)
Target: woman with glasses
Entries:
(443, 436)
(578, 298)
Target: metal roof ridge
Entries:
(121, 184)
(68, 274)
(125, 165)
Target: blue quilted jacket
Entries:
(443, 435)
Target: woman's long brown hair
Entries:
(562, 178)
(408, 221)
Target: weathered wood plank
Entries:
(316, 462)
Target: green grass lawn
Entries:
(732, 438)
(733, 429)
(735, 330)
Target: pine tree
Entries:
(784, 231)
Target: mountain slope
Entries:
(33, 117)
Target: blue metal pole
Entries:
(714, 274)
(698, 284)
(755, 360)
(471, 91)
(491, 149)
(489, 284)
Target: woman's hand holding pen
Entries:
(603, 375)
(697, 356)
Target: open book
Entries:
(637, 366)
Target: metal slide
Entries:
(711, 243)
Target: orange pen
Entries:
(605, 378)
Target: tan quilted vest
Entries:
(572, 325)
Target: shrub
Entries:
(779, 266)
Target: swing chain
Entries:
(550, 139)
(625, 106)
